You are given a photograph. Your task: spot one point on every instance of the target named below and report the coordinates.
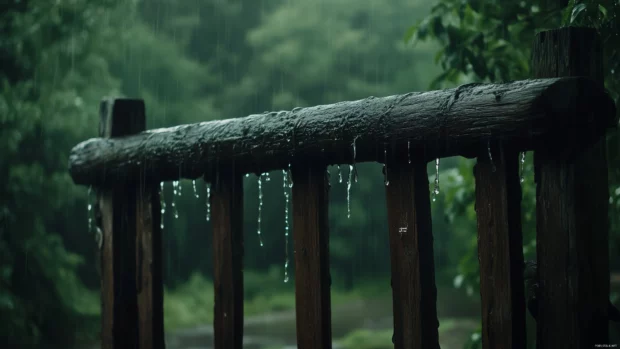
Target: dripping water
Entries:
(289, 174)
(354, 158)
(179, 186)
(175, 192)
(349, 191)
(386, 181)
(90, 209)
(208, 202)
(436, 189)
(260, 209)
(286, 224)
(267, 178)
(522, 166)
(195, 191)
(409, 151)
(162, 203)
(247, 175)
(491, 156)
(339, 174)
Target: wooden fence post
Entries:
(131, 283)
(500, 248)
(414, 294)
(227, 205)
(311, 242)
(571, 208)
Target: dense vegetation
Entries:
(213, 59)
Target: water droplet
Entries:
(490, 156)
(208, 202)
(260, 209)
(162, 202)
(247, 175)
(175, 185)
(354, 159)
(267, 178)
(90, 208)
(286, 224)
(436, 189)
(289, 173)
(522, 167)
(409, 150)
(179, 186)
(195, 191)
(339, 174)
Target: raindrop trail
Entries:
(195, 191)
(162, 202)
(349, 191)
(175, 185)
(386, 181)
(522, 167)
(491, 156)
(436, 189)
(208, 202)
(289, 174)
(286, 224)
(90, 209)
(260, 209)
(409, 151)
(339, 174)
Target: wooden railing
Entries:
(562, 118)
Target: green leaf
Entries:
(410, 33)
(603, 10)
(577, 10)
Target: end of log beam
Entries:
(444, 123)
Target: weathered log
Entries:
(444, 123)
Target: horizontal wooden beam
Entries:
(442, 123)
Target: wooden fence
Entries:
(562, 116)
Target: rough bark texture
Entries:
(227, 205)
(311, 241)
(448, 122)
(414, 293)
(500, 248)
(150, 284)
(119, 205)
(572, 209)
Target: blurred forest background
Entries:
(203, 60)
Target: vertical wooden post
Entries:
(500, 248)
(414, 293)
(227, 206)
(132, 315)
(571, 208)
(311, 241)
(149, 254)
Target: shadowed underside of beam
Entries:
(436, 124)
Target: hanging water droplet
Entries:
(386, 181)
(436, 189)
(195, 191)
(490, 156)
(349, 191)
(90, 208)
(289, 173)
(286, 225)
(175, 185)
(179, 187)
(208, 202)
(260, 209)
(409, 150)
(162, 202)
(247, 175)
(339, 174)
(522, 167)
(267, 178)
